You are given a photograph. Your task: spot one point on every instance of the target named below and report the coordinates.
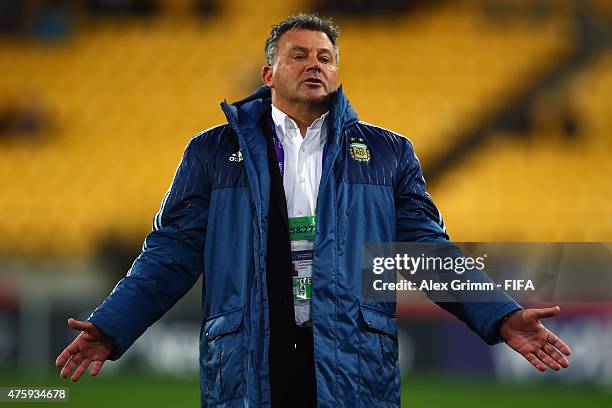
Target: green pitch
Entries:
(136, 390)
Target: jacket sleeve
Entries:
(418, 220)
(171, 259)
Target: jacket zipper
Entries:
(260, 288)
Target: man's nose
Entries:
(314, 63)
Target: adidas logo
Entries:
(236, 157)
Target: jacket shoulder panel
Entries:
(206, 141)
(219, 150)
(370, 155)
(393, 137)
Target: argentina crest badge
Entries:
(359, 150)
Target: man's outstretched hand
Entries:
(524, 333)
(91, 346)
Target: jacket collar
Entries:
(247, 112)
(244, 116)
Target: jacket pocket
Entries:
(378, 354)
(224, 358)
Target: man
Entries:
(272, 209)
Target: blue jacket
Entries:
(213, 221)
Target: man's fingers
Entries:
(62, 359)
(64, 356)
(546, 312)
(72, 363)
(80, 370)
(79, 325)
(559, 345)
(546, 359)
(67, 369)
(96, 367)
(536, 362)
(551, 351)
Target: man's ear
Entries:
(266, 75)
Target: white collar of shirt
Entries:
(284, 125)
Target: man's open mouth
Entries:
(313, 81)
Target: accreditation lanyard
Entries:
(280, 153)
(301, 234)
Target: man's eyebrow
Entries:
(304, 49)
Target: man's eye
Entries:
(325, 59)
(298, 57)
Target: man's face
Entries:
(304, 70)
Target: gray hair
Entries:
(305, 22)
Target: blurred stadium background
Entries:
(508, 103)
